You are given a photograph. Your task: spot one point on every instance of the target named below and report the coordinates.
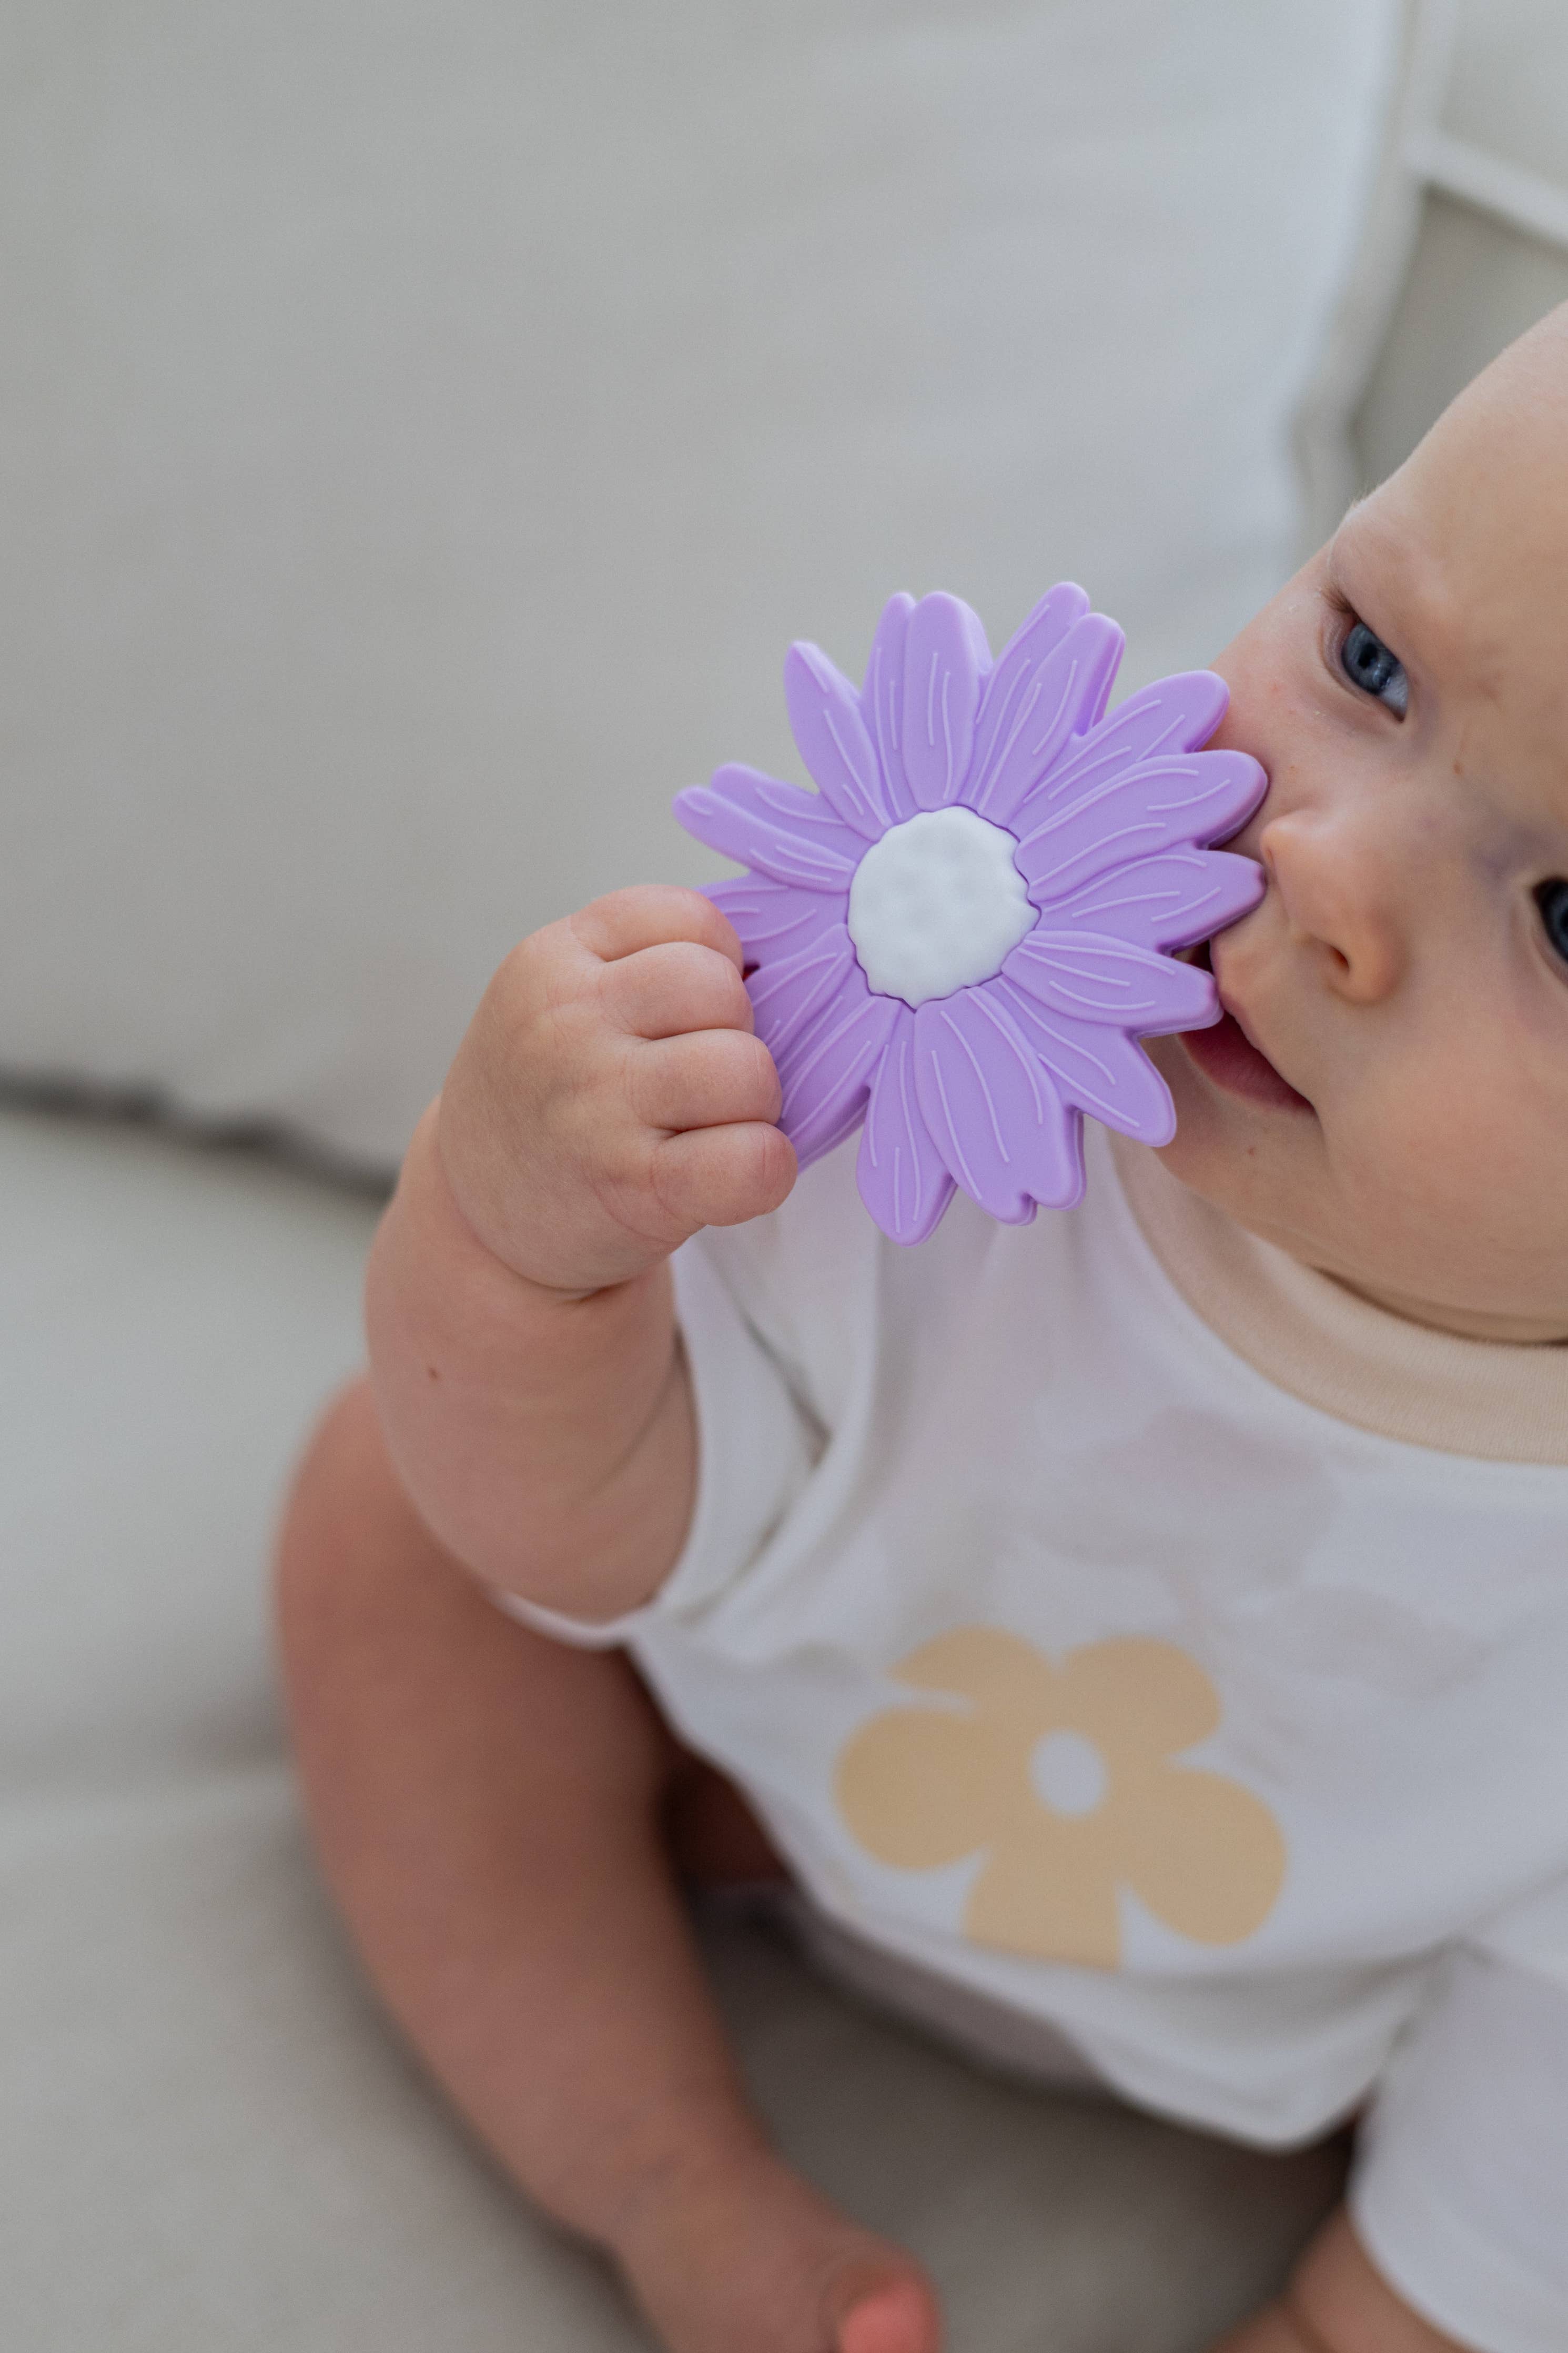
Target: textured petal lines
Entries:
(993, 1112)
(1091, 979)
(1187, 707)
(1036, 701)
(828, 1127)
(882, 701)
(1115, 817)
(1174, 714)
(1168, 901)
(825, 713)
(776, 828)
(945, 659)
(1172, 717)
(903, 1179)
(1043, 629)
(790, 993)
(1108, 820)
(1095, 1069)
(827, 1066)
(772, 920)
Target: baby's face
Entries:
(1389, 1100)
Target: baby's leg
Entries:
(490, 1808)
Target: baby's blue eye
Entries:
(1552, 898)
(1367, 663)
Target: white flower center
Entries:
(937, 905)
(1069, 1773)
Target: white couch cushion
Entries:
(429, 426)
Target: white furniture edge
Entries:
(1524, 200)
(1392, 222)
(1420, 156)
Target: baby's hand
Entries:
(610, 1097)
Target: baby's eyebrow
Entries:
(1334, 553)
(1334, 585)
(1366, 567)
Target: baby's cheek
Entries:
(1455, 1162)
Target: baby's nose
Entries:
(1336, 900)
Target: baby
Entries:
(1134, 1642)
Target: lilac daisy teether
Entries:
(961, 937)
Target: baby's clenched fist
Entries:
(610, 1096)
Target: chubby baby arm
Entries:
(610, 1099)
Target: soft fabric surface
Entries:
(211, 2143)
(426, 427)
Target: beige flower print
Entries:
(1066, 1777)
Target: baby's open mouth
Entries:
(1226, 1055)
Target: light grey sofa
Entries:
(209, 2143)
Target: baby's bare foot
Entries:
(742, 2256)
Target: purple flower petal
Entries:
(882, 703)
(772, 920)
(789, 995)
(1129, 811)
(1167, 902)
(945, 658)
(827, 1066)
(1176, 715)
(1090, 979)
(1097, 1070)
(1112, 816)
(790, 834)
(1049, 685)
(829, 1125)
(1044, 626)
(825, 713)
(993, 1114)
(903, 1179)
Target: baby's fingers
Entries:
(676, 985)
(649, 914)
(723, 1175)
(711, 1078)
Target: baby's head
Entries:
(1406, 973)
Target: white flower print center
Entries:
(1069, 1773)
(937, 905)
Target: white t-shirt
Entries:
(1143, 1634)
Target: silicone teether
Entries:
(960, 937)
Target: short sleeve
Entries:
(1460, 2189)
(756, 1447)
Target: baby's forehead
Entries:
(1461, 560)
(1482, 504)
